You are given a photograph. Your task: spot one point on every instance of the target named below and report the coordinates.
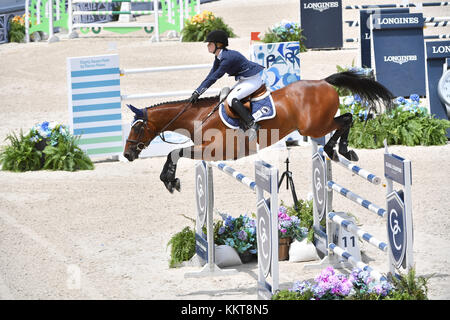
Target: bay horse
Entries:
(308, 106)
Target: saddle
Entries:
(246, 101)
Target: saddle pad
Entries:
(262, 108)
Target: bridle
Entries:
(144, 126)
(138, 143)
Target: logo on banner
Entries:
(441, 49)
(400, 59)
(321, 6)
(396, 227)
(398, 20)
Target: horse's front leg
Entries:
(168, 174)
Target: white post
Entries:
(198, 6)
(72, 33)
(27, 21)
(156, 29)
(408, 215)
(38, 9)
(181, 15)
(274, 215)
(126, 6)
(51, 37)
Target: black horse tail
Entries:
(368, 89)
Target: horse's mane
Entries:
(205, 99)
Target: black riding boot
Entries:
(251, 126)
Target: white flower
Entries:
(348, 100)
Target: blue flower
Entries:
(44, 125)
(242, 235)
(400, 100)
(415, 97)
(357, 98)
(221, 230)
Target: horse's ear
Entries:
(138, 112)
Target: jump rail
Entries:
(398, 215)
(124, 72)
(266, 179)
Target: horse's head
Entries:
(140, 134)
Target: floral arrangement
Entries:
(239, 233)
(329, 285)
(408, 123)
(289, 226)
(17, 29)
(197, 28)
(48, 145)
(49, 130)
(359, 285)
(285, 31)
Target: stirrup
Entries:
(253, 131)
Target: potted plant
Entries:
(238, 233)
(289, 228)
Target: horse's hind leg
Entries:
(329, 146)
(344, 121)
(343, 143)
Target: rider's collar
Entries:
(219, 56)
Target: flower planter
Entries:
(246, 256)
(283, 248)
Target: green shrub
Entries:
(21, 155)
(407, 124)
(409, 287)
(47, 146)
(197, 28)
(182, 246)
(67, 156)
(305, 213)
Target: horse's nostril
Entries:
(128, 156)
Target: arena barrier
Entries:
(45, 15)
(336, 242)
(95, 102)
(266, 180)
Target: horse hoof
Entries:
(351, 155)
(177, 184)
(169, 186)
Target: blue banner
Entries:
(437, 53)
(364, 31)
(321, 21)
(398, 52)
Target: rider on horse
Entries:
(246, 73)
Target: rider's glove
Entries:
(194, 97)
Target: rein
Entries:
(161, 132)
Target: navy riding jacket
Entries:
(233, 63)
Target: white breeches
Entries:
(244, 87)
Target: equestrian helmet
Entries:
(217, 36)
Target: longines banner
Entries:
(364, 28)
(437, 53)
(398, 51)
(321, 21)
